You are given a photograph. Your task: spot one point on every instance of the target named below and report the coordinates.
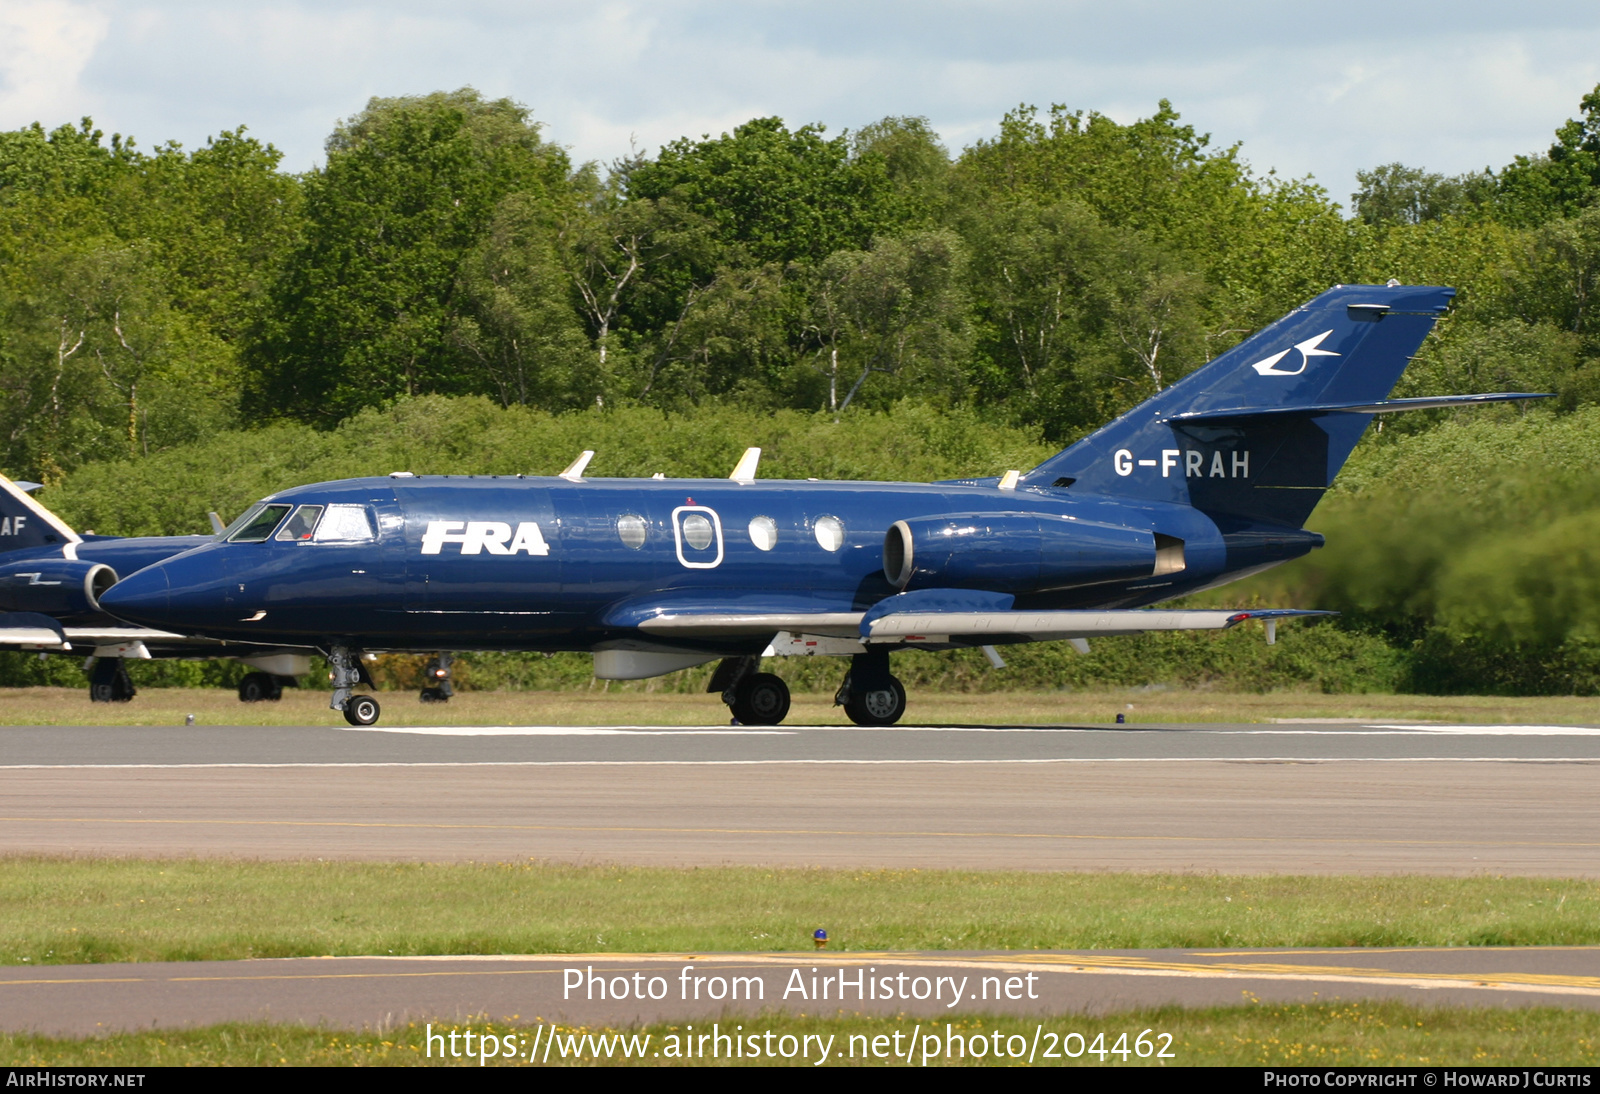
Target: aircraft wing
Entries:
(712, 624)
(32, 631)
(979, 628)
(36, 631)
(957, 627)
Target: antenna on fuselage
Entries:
(216, 523)
(574, 472)
(745, 470)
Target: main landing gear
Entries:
(108, 681)
(259, 687)
(870, 694)
(756, 698)
(437, 675)
(358, 710)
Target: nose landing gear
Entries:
(358, 710)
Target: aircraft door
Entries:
(697, 533)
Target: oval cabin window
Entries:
(829, 532)
(697, 531)
(631, 530)
(764, 533)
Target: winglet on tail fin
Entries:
(26, 523)
(1258, 434)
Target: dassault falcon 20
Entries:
(1210, 480)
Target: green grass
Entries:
(77, 910)
(1322, 1034)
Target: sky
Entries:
(1306, 89)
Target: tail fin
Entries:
(1260, 432)
(26, 523)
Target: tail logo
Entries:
(1308, 349)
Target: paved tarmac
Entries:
(387, 993)
(1303, 798)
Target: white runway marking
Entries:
(1503, 731)
(1037, 761)
(572, 731)
(1363, 730)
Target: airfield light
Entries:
(820, 937)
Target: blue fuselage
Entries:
(548, 564)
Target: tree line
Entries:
(1046, 278)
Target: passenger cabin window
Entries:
(345, 524)
(829, 532)
(299, 525)
(631, 529)
(697, 531)
(764, 533)
(260, 525)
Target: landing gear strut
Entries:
(870, 695)
(108, 681)
(358, 710)
(437, 675)
(756, 698)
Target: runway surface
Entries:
(1304, 798)
(388, 993)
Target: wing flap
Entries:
(698, 625)
(978, 627)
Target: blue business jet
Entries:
(51, 579)
(1208, 481)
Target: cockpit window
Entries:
(298, 527)
(260, 524)
(344, 524)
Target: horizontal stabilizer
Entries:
(1387, 406)
(983, 628)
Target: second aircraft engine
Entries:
(60, 587)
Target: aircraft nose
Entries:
(143, 597)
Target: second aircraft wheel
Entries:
(762, 699)
(361, 710)
(433, 695)
(257, 687)
(881, 706)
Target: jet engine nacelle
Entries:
(55, 586)
(1021, 552)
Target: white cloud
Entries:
(44, 47)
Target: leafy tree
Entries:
(1536, 189)
(1397, 194)
(917, 164)
(780, 196)
(368, 305)
(519, 324)
(897, 310)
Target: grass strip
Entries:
(1320, 1034)
(80, 910)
